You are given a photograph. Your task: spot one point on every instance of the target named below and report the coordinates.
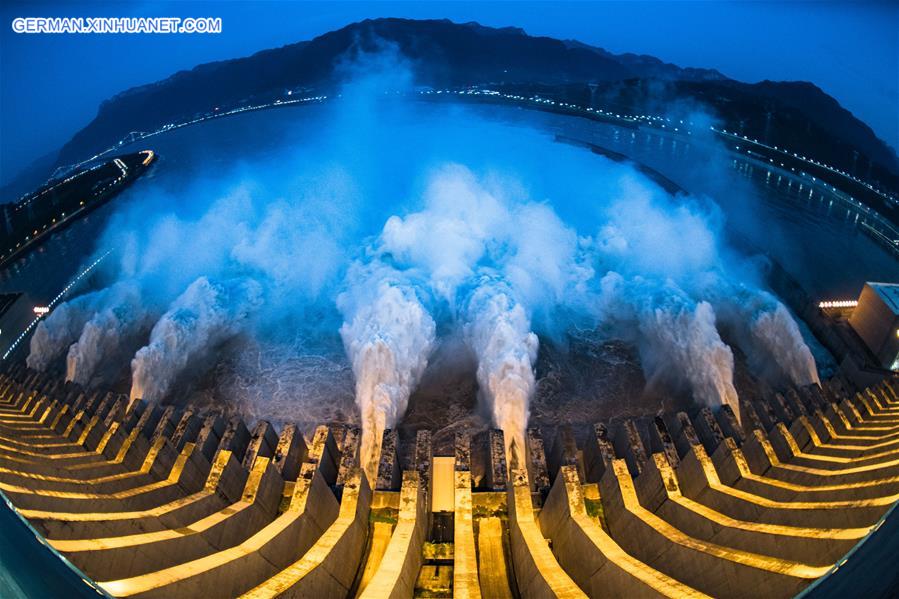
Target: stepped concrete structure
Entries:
(153, 501)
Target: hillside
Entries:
(797, 115)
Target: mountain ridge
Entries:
(445, 53)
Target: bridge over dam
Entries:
(34, 218)
(146, 500)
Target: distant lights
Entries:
(219, 111)
(52, 303)
(838, 304)
(41, 310)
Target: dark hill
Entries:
(445, 53)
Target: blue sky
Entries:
(51, 85)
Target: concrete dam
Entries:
(146, 500)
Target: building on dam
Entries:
(876, 320)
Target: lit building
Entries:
(876, 320)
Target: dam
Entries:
(233, 482)
(151, 501)
(33, 218)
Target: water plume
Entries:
(388, 335)
(768, 334)
(111, 332)
(685, 340)
(60, 328)
(480, 237)
(198, 321)
(677, 337)
(499, 332)
(777, 332)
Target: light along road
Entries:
(52, 224)
(879, 228)
(53, 303)
(661, 122)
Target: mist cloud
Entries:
(388, 335)
(385, 225)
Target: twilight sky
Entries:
(51, 85)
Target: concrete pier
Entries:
(154, 501)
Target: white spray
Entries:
(54, 334)
(388, 336)
(776, 333)
(509, 256)
(677, 337)
(775, 342)
(205, 315)
(499, 332)
(764, 330)
(109, 333)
